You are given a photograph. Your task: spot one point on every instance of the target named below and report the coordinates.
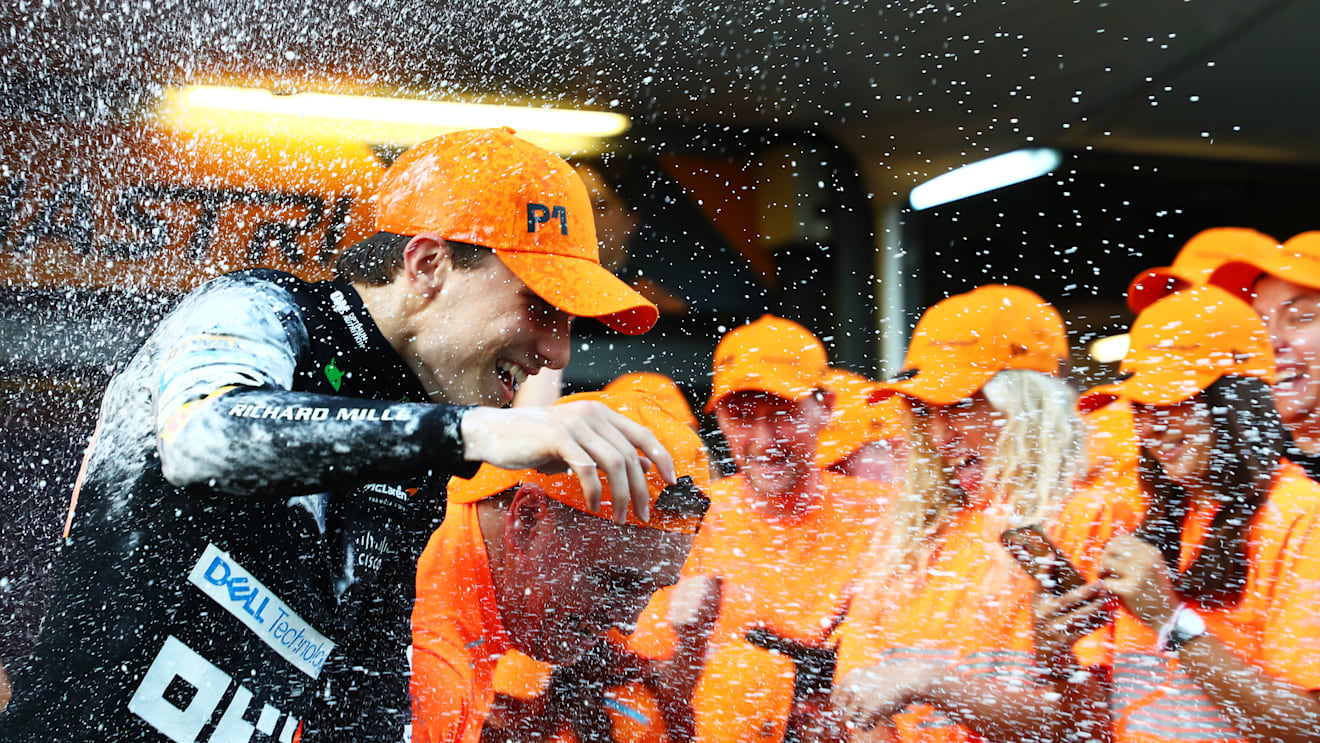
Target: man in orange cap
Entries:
(779, 552)
(269, 464)
(523, 562)
(1282, 284)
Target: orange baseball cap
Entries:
(854, 421)
(661, 390)
(1184, 343)
(1198, 259)
(673, 508)
(487, 187)
(771, 355)
(963, 341)
(1297, 260)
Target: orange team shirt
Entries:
(792, 576)
(968, 605)
(457, 634)
(1274, 627)
(523, 677)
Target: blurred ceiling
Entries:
(920, 86)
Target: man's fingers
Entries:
(641, 438)
(842, 701)
(1085, 619)
(584, 466)
(635, 477)
(612, 468)
(1080, 596)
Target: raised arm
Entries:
(227, 419)
(1263, 707)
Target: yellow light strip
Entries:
(378, 120)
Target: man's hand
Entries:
(1136, 572)
(867, 696)
(694, 605)
(582, 436)
(1060, 621)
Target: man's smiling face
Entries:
(483, 333)
(1292, 314)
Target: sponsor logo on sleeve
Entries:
(241, 594)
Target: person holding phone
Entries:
(1217, 633)
(939, 644)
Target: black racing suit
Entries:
(264, 475)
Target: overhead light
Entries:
(1111, 349)
(376, 119)
(985, 175)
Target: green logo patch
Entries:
(334, 375)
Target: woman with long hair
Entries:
(939, 644)
(1218, 634)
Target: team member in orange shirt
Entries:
(520, 562)
(1282, 284)
(1112, 450)
(939, 644)
(780, 548)
(1217, 639)
(577, 702)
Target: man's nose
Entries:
(556, 344)
(1278, 333)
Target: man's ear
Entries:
(427, 261)
(529, 507)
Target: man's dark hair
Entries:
(1250, 439)
(378, 259)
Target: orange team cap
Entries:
(1184, 343)
(854, 421)
(771, 355)
(963, 341)
(487, 187)
(1198, 259)
(675, 508)
(661, 390)
(1297, 260)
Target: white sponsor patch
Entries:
(175, 660)
(242, 595)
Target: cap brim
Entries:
(1148, 389)
(755, 381)
(1152, 285)
(583, 288)
(936, 386)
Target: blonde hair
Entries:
(1037, 455)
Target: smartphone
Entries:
(1037, 555)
